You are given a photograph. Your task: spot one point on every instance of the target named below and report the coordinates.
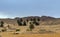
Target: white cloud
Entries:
(2, 15)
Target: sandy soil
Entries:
(8, 34)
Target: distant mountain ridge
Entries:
(41, 18)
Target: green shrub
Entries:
(31, 27)
(24, 23)
(2, 23)
(3, 30)
(36, 23)
(17, 30)
(19, 23)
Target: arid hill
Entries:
(31, 24)
(43, 20)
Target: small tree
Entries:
(38, 19)
(1, 24)
(31, 27)
(24, 23)
(19, 23)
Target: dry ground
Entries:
(9, 34)
(55, 28)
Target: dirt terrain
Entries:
(8, 34)
(44, 26)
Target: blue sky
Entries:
(22, 8)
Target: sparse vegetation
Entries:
(31, 27)
(36, 23)
(2, 24)
(38, 19)
(3, 30)
(24, 23)
(17, 30)
(42, 31)
(19, 23)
